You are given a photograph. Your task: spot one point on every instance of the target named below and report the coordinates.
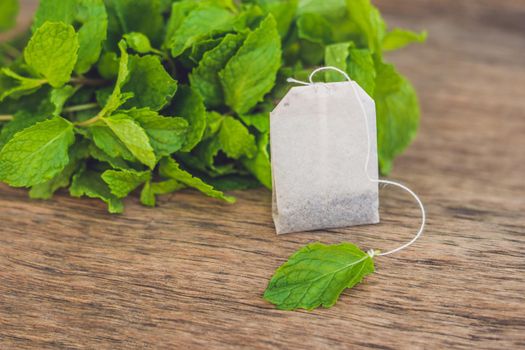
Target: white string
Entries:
(372, 252)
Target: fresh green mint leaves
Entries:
(316, 275)
(112, 98)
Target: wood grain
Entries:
(190, 273)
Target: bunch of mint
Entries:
(105, 97)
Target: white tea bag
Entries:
(319, 150)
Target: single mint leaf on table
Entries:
(250, 74)
(52, 52)
(122, 182)
(89, 183)
(149, 83)
(316, 275)
(37, 153)
(170, 169)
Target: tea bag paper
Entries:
(318, 151)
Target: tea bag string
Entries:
(371, 252)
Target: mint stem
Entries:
(88, 82)
(10, 50)
(79, 108)
(6, 118)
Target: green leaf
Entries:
(108, 142)
(117, 98)
(8, 12)
(205, 78)
(89, 16)
(45, 190)
(283, 12)
(251, 73)
(166, 134)
(52, 52)
(399, 38)
(129, 132)
(259, 165)
(260, 121)
(140, 43)
(371, 27)
(235, 140)
(102, 156)
(179, 11)
(190, 106)
(60, 96)
(336, 55)
(199, 23)
(316, 275)
(315, 28)
(361, 69)
(15, 85)
(153, 189)
(149, 82)
(122, 182)
(397, 114)
(36, 154)
(170, 169)
(89, 183)
(142, 16)
(108, 65)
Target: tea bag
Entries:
(319, 149)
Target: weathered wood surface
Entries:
(190, 273)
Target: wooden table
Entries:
(190, 273)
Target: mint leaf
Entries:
(399, 38)
(122, 182)
(52, 52)
(235, 140)
(205, 78)
(133, 137)
(397, 114)
(283, 12)
(15, 85)
(45, 190)
(190, 106)
(89, 183)
(198, 24)
(166, 134)
(149, 82)
(8, 12)
(259, 165)
(316, 275)
(36, 154)
(89, 16)
(153, 189)
(117, 97)
(251, 73)
(142, 16)
(170, 169)
(140, 43)
(371, 26)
